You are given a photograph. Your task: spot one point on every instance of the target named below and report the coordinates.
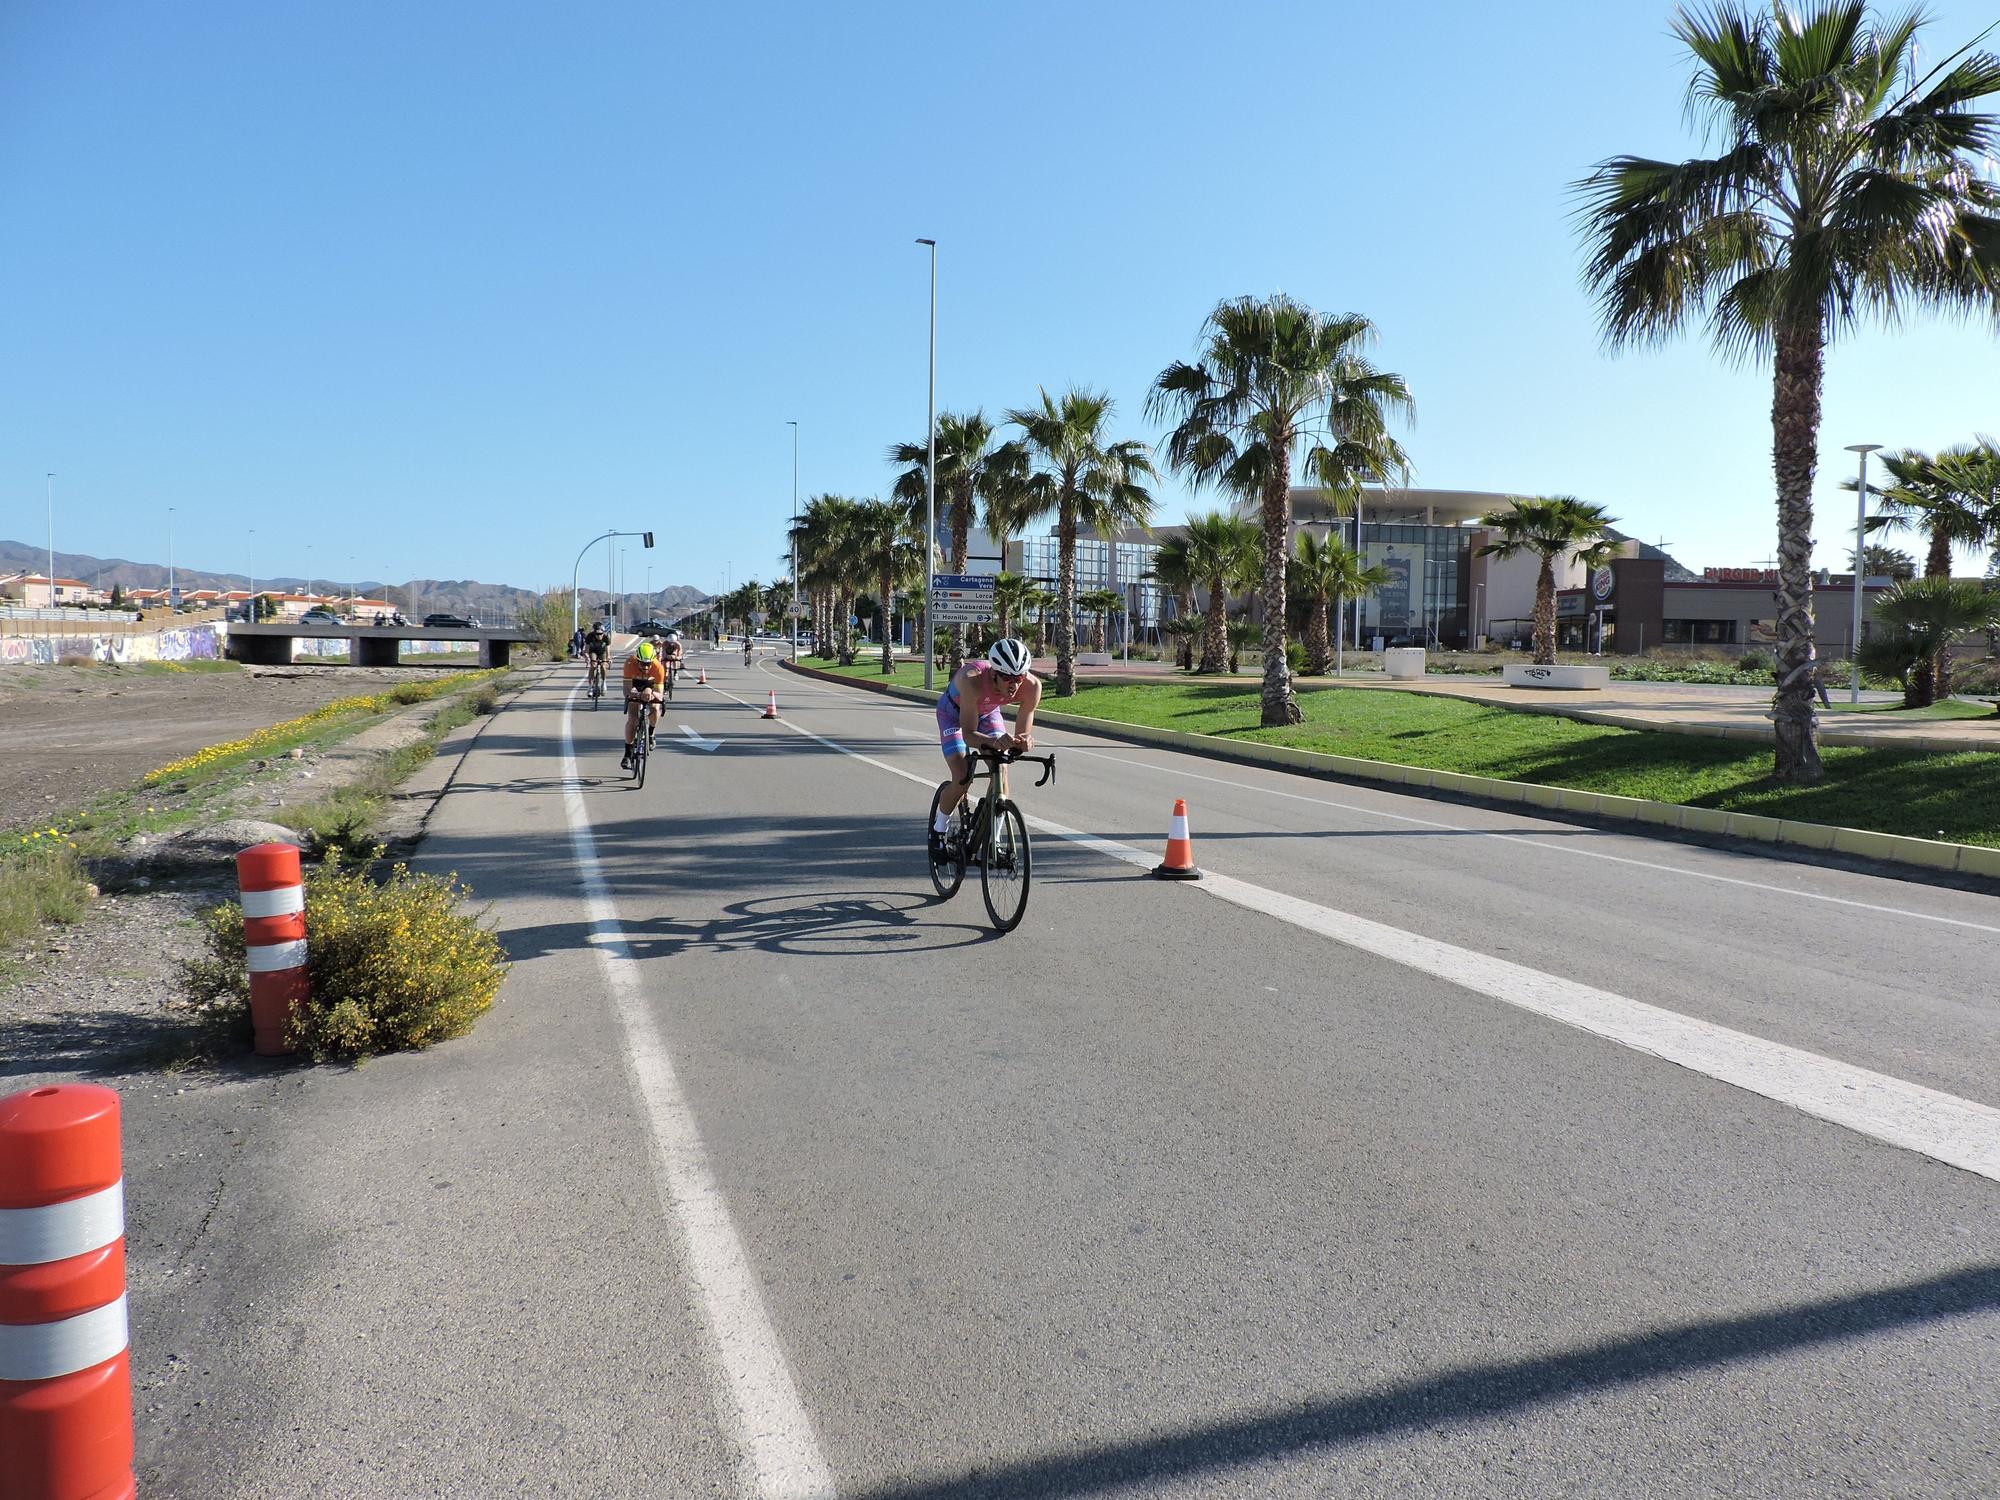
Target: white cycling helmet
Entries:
(1007, 656)
(673, 635)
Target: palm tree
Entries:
(1222, 552)
(972, 467)
(831, 556)
(1072, 469)
(1944, 496)
(1183, 629)
(1849, 182)
(893, 547)
(1011, 596)
(1173, 571)
(1885, 562)
(1244, 632)
(1549, 526)
(1100, 602)
(1273, 375)
(1040, 601)
(1920, 620)
(1330, 572)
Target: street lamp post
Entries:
(1860, 556)
(171, 590)
(795, 539)
(51, 486)
(930, 478)
(575, 599)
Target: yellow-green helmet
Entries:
(645, 651)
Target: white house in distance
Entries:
(32, 591)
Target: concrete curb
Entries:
(1895, 848)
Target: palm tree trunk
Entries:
(1215, 631)
(1066, 598)
(1545, 613)
(1184, 605)
(888, 586)
(961, 530)
(843, 623)
(1319, 653)
(1938, 565)
(1795, 398)
(1280, 707)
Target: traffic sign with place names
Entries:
(961, 598)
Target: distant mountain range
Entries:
(414, 597)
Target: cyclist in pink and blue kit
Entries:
(969, 714)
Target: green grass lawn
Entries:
(1950, 708)
(869, 669)
(1952, 796)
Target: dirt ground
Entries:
(68, 733)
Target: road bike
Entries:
(673, 671)
(596, 688)
(642, 744)
(987, 830)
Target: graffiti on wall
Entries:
(189, 643)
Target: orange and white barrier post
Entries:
(1179, 863)
(65, 1364)
(274, 940)
(771, 707)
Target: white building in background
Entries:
(32, 591)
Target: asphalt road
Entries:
(1398, 1161)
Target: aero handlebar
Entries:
(1008, 758)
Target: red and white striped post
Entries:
(274, 940)
(65, 1366)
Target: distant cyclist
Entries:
(968, 715)
(596, 652)
(644, 677)
(672, 657)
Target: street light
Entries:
(795, 539)
(171, 590)
(51, 485)
(1860, 553)
(930, 476)
(575, 613)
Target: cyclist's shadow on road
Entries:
(829, 924)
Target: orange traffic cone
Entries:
(1179, 863)
(771, 708)
(701, 677)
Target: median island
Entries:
(1918, 794)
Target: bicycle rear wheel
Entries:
(1003, 874)
(640, 755)
(948, 865)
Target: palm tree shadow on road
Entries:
(1474, 1394)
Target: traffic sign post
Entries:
(961, 598)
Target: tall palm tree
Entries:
(1273, 377)
(1073, 469)
(1849, 181)
(1222, 552)
(1941, 496)
(1100, 603)
(1173, 571)
(830, 553)
(973, 467)
(1330, 572)
(884, 535)
(1549, 526)
(1920, 620)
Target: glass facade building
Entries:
(1122, 564)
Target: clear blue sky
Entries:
(446, 287)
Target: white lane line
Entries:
(1958, 1132)
(779, 1455)
(908, 734)
(687, 731)
(1515, 839)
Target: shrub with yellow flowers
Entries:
(394, 964)
(276, 736)
(41, 880)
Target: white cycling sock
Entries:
(941, 823)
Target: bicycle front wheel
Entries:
(947, 865)
(1003, 874)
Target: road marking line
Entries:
(908, 734)
(1529, 841)
(1516, 839)
(780, 1457)
(1958, 1132)
(697, 741)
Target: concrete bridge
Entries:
(269, 643)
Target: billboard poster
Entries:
(1394, 604)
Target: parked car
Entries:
(653, 627)
(319, 614)
(448, 622)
